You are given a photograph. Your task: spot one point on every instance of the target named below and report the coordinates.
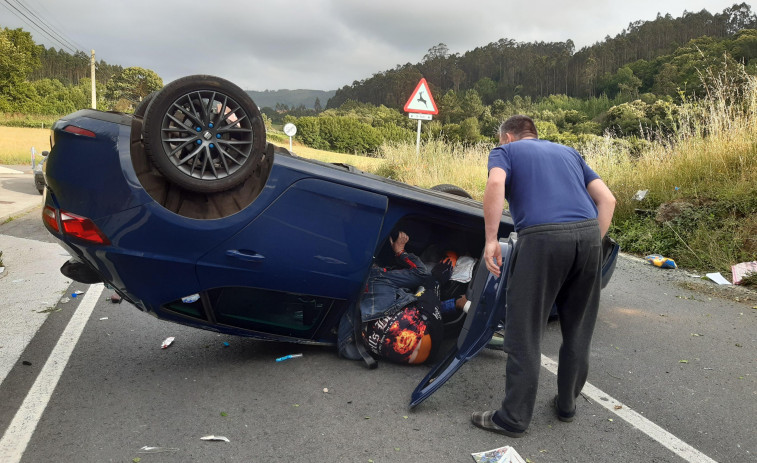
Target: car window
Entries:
(274, 312)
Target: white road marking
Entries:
(671, 442)
(18, 434)
(31, 284)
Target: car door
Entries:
(482, 319)
(309, 251)
(488, 307)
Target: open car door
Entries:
(488, 306)
(484, 314)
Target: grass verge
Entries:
(16, 144)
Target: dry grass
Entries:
(437, 163)
(361, 162)
(16, 144)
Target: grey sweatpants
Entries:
(552, 263)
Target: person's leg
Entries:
(578, 303)
(541, 263)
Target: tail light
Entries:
(79, 131)
(74, 225)
(49, 217)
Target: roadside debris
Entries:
(148, 449)
(742, 270)
(215, 438)
(63, 300)
(50, 310)
(76, 293)
(504, 454)
(115, 298)
(718, 278)
(167, 342)
(662, 262)
(641, 194)
(287, 357)
(190, 299)
(103, 318)
(325, 390)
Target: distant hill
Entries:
(291, 98)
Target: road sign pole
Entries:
(418, 139)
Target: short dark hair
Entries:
(519, 126)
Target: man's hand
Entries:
(494, 200)
(493, 257)
(399, 246)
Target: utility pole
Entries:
(94, 87)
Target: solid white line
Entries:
(676, 445)
(18, 434)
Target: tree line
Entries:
(36, 80)
(506, 68)
(629, 85)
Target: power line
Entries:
(45, 27)
(49, 24)
(33, 24)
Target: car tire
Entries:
(142, 106)
(188, 139)
(452, 189)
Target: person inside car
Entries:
(400, 310)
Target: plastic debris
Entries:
(148, 449)
(641, 194)
(662, 262)
(190, 299)
(326, 390)
(215, 438)
(26, 362)
(167, 342)
(463, 271)
(76, 293)
(504, 454)
(287, 357)
(718, 278)
(63, 300)
(103, 318)
(226, 344)
(742, 270)
(2, 269)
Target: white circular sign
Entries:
(290, 129)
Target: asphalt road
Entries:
(682, 359)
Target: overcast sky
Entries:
(316, 44)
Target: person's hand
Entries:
(399, 246)
(493, 257)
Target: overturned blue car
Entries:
(189, 214)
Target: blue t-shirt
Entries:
(545, 183)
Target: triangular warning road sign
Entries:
(421, 100)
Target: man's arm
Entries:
(605, 202)
(494, 200)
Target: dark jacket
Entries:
(386, 292)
